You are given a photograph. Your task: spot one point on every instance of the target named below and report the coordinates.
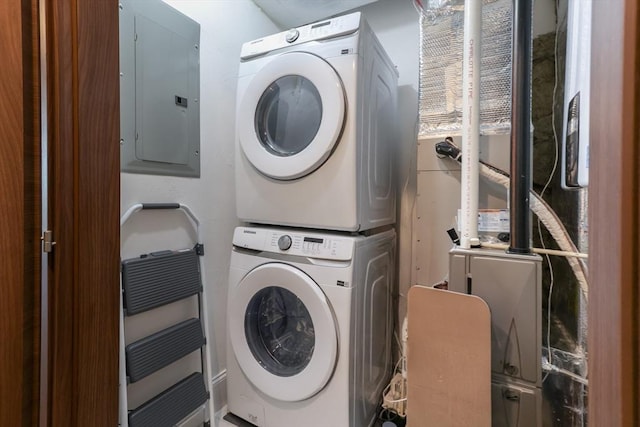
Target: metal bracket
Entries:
(199, 248)
(47, 241)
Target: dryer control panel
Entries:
(295, 242)
(329, 28)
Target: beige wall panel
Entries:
(437, 204)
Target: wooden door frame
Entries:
(84, 210)
(83, 116)
(614, 206)
(20, 216)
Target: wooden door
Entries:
(81, 387)
(84, 209)
(19, 215)
(614, 216)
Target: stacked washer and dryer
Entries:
(310, 304)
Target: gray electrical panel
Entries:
(511, 285)
(159, 90)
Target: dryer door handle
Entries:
(328, 262)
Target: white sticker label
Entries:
(491, 220)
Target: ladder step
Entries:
(172, 405)
(159, 279)
(156, 351)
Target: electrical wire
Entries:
(551, 282)
(394, 400)
(546, 185)
(404, 399)
(395, 335)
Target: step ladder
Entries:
(149, 282)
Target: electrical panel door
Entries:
(160, 84)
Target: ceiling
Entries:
(293, 13)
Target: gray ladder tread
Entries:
(172, 405)
(158, 279)
(158, 350)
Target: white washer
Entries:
(316, 128)
(309, 326)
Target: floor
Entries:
(231, 420)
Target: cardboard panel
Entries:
(448, 359)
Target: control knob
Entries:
(284, 242)
(292, 35)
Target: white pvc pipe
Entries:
(542, 251)
(470, 124)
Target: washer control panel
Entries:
(300, 243)
(330, 28)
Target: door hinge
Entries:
(47, 241)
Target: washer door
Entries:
(283, 332)
(291, 115)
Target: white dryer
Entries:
(316, 128)
(309, 327)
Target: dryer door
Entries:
(291, 115)
(283, 332)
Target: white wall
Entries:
(225, 25)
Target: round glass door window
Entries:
(279, 331)
(288, 115)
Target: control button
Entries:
(284, 242)
(292, 35)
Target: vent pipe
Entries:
(470, 124)
(520, 218)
